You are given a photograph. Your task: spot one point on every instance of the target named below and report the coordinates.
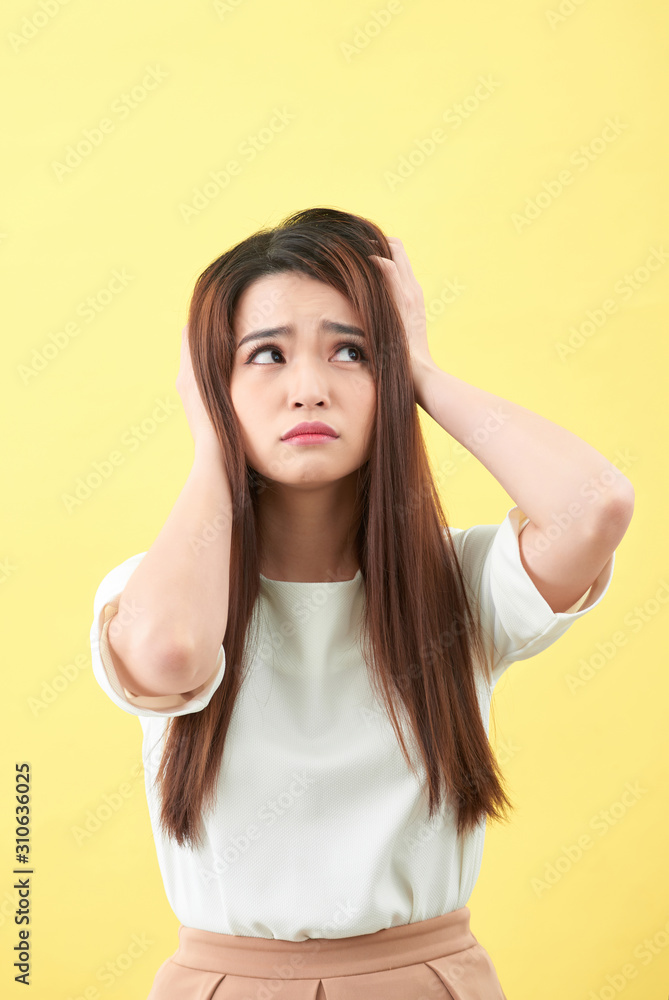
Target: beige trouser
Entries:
(437, 959)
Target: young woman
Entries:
(312, 651)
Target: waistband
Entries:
(320, 958)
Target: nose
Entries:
(307, 386)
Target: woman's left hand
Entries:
(408, 297)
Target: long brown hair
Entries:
(422, 638)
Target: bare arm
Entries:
(173, 611)
(579, 503)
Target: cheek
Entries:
(242, 400)
(243, 407)
(366, 401)
(256, 425)
(363, 410)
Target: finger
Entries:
(398, 278)
(393, 283)
(389, 267)
(401, 258)
(393, 277)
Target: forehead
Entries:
(289, 297)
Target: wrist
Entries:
(207, 449)
(423, 370)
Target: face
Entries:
(314, 371)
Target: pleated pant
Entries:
(427, 960)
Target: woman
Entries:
(312, 652)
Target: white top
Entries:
(320, 828)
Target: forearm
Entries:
(544, 467)
(173, 611)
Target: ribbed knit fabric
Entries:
(320, 829)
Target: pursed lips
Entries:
(310, 429)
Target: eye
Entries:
(274, 349)
(352, 347)
(270, 349)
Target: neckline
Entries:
(313, 583)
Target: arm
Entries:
(578, 503)
(173, 611)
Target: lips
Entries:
(310, 427)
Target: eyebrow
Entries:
(325, 326)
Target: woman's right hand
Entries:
(200, 425)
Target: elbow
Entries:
(616, 512)
(158, 668)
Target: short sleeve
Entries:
(105, 606)
(517, 621)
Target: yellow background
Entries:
(359, 100)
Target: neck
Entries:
(308, 535)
